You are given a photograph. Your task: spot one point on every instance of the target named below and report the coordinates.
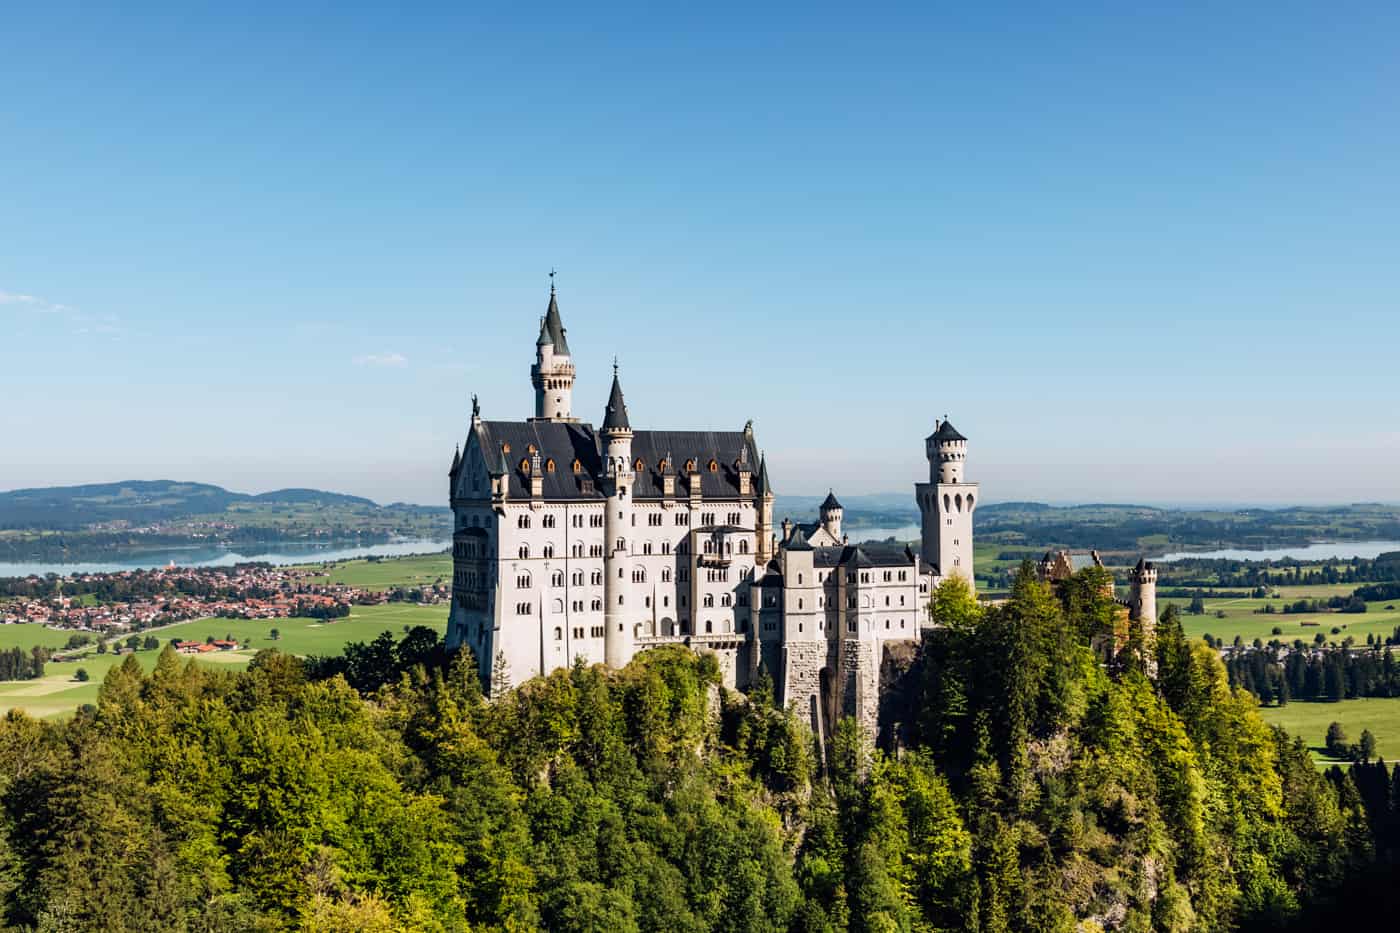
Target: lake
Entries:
(1341, 550)
(222, 557)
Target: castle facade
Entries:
(572, 541)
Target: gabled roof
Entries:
(830, 501)
(797, 541)
(946, 432)
(556, 441)
(615, 417)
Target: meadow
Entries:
(1310, 721)
(417, 570)
(1241, 619)
(58, 693)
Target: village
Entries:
(134, 600)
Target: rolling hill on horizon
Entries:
(63, 508)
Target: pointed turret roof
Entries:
(456, 461)
(553, 327)
(615, 418)
(502, 468)
(946, 432)
(830, 501)
(765, 488)
(798, 541)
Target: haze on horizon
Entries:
(1137, 256)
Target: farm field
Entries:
(27, 635)
(1240, 618)
(1309, 721)
(385, 574)
(58, 693)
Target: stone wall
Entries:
(800, 682)
(859, 683)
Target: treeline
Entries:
(17, 664)
(305, 610)
(1330, 674)
(1041, 783)
(1214, 572)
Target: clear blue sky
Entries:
(1137, 255)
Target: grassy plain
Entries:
(1310, 720)
(28, 634)
(58, 693)
(1241, 619)
(419, 570)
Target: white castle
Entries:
(575, 542)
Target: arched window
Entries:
(524, 552)
(662, 464)
(947, 503)
(547, 521)
(639, 465)
(578, 467)
(969, 502)
(558, 633)
(714, 465)
(525, 467)
(505, 448)
(522, 581)
(709, 601)
(690, 465)
(957, 500)
(549, 465)
(549, 550)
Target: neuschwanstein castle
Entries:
(574, 541)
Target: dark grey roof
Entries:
(798, 541)
(456, 462)
(555, 326)
(863, 555)
(830, 501)
(558, 441)
(946, 432)
(678, 447)
(615, 417)
(565, 442)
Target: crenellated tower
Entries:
(619, 479)
(946, 502)
(552, 375)
(1142, 607)
(831, 515)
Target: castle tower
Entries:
(804, 644)
(831, 513)
(616, 432)
(1142, 607)
(552, 375)
(946, 502)
(763, 500)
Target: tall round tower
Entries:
(616, 432)
(552, 375)
(947, 501)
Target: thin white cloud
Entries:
(32, 303)
(381, 359)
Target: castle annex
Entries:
(573, 541)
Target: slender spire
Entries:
(615, 418)
(552, 327)
(764, 487)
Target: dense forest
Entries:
(1275, 674)
(1026, 783)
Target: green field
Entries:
(27, 635)
(1240, 618)
(58, 693)
(387, 573)
(1310, 720)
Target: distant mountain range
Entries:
(142, 502)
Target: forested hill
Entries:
(1035, 788)
(143, 502)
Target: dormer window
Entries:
(549, 465)
(639, 465)
(578, 467)
(525, 467)
(505, 448)
(662, 464)
(690, 465)
(714, 466)
(531, 448)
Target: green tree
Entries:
(1336, 741)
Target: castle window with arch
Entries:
(523, 581)
(525, 467)
(558, 578)
(577, 466)
(714, 466)
(639, 465)
(547, 521)
(549, 550)
(549, 465)
(558, 633)
(524, 552)
(690, 465)
(505, 448)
